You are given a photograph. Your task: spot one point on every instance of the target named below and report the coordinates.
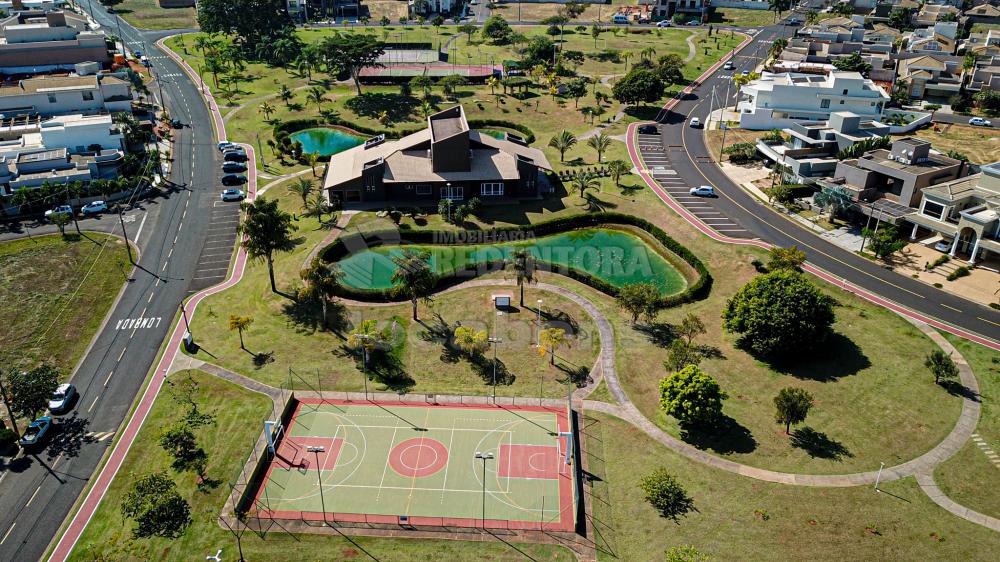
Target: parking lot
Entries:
(220, 239)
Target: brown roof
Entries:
(35, 85)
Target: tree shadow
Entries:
(725, 437)
(263, 358)
(483, 368)
(387, 369)
(660, 334)
(71, 435)
(818, 445)
(836, 358)
(956, 388)
(372, 104)
(577, 376)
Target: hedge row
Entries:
(294, 125)
(344, 244)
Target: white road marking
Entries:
(92, 404)
(8, 532)
(32, 498)
(107, 380)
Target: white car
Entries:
(728, 65)
(664, 23)
(695, 122)
(62, 398)
(702, 191)
(60, 210)
(980, 122)
(94, 207)
(232, 195)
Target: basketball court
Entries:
(422, 464)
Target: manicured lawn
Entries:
(793, 523)
(54, 294)
(532, 11)
(238, 413)
(147, 14)
(969, 475)
(741, 17)
(980, 145)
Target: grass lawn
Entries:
(741, 17)
(54, 294)
(791, 523)
(714, 137)
(538, 11)
(968, 475)
(978, 144)
(228, 441)
(147, 14)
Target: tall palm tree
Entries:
(266, 229)
(413, 276)
(523, 264)
(285, 93)
(368, 337)
(239, 324)
(267, 110)
(317, 206)
(563, 142)
(316, 95)
(585, 181)
(303, 188)
(599, 142)
(321, 279)
(626, 54)
(617, 169)
(313, 158)
(648, 53)
(214, 65)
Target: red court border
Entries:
(567, 513)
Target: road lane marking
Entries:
(120, 355)
(950, 307)
(107, 380)
(985, 320)
(4, 539)
(150, 299)
(32, 498)
(92, 404)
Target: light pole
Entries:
(495, 340)
(319, 476)
(484, 457)
(364, 360)
(538, 332)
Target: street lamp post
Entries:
(495, 340)
(484, 457)
(364, 361)
(319, 476)
(538, 331)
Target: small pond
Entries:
(614, 256)
(326, 141)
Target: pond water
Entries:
(616, 257)
(325, 141)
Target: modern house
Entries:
(48, 95)
(778, 100)
(447, 160)
(930, 76)
(669, 8)
(931, 14)
(834, 30)
(37, 42)
(811, 149)
(942, 38)
(964, 212)
(303, 10)
(986, 75)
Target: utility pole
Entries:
(319, 476)
(128, 246)
(484, 457)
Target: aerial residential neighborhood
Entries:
(501, 280)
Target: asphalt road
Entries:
(37, 491)
(684, 161)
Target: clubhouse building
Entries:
(447, 160)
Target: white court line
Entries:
(451, 439)
(392, 443)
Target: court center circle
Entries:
(418, 457)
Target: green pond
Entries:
(326, 141)
(616, 257)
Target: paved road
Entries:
(37, 491)
(681, 160)
(961, 120)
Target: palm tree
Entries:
(833, 198)
(239, 324)
(778, 6)
(776, 47)
(266, 229)
(426, 108)
(413, 276)
(599, 142)
(523, 263)
(563, 142)
(617, 169)
(626, 54)
(492, 83)
(368, 337)
(214, 65)
(316, 206)
(317, 96)
(549, 340)
(321, 279)
(585, 181)
(313, 158)
(267, 110)
(648, 53)
(303, 188)
(285, 94)
(204, 44)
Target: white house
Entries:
(776, 101)
(51, 95)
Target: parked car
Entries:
(60, 210)
(980, 122)
(694, 22)
(234, 148)
(94, 207)
(745, 73)
(62, 399)
(728, 65)
(702, 191)
(223, 146)
(176, 123)
(649, 130)
(695, 122)
(36, 432)
(664, 23)
(145, 61)
(235, 156)
(943, 246)
(233, 179)
(232, 195)
(233, 167)
(793, 21)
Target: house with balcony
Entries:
(834, 30)
(54, 95)
(981, 44)
(446, 160)
(930, 76)
(986, 74)
(811, 149)
(666, 9)
(930, 14)
(965, 212)
(33, 42)
(778, 100)
(942, 39)
(301, 10)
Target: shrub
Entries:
(741, 152)
(962, 271)
(665, 494)
(940, 261)
(692, 397)
(7, 437)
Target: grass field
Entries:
(54, 294)
(147, 14)
(978, 144)
(108, 537)
(384, 461)
(741, 17)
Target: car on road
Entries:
(145, 61)
(693, 22)
(225, 145)
(728, 65)
(702, 191)
(664, 23)
(233, 179)
(232, 195)
(234, 156)
(980, 122)
(233, 167)
(695, 122)
(793, 21)
(60, 210)
(943, 246)
(745, 73)
(137, 53)
(62, 399)
(649, 130)
(176, 123)
(36, 432)
(94, 207)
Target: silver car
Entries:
(62, 398)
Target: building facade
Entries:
(778, 100)
(49, 95)
(36, 42)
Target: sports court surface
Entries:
(415, 463)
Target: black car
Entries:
(235, 157)
(233, 167)
(649, 130)
(234, 179)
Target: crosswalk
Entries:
(99, 436)
(657, 156)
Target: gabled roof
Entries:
(926, 61)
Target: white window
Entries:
(454, 193)
(424, 189)
(492, 189)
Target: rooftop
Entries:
(933, 162)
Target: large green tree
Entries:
(252, 21)
(640, 300)
(157, 509)
(666, 494)
(779, 314)
(638, 86)
(496, 30)
(27, 393)
(352, 52)
(942, 366)
(692, 397)
(792, 405)
(266, 229)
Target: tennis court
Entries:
(422, 464)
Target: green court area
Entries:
(422, 465)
